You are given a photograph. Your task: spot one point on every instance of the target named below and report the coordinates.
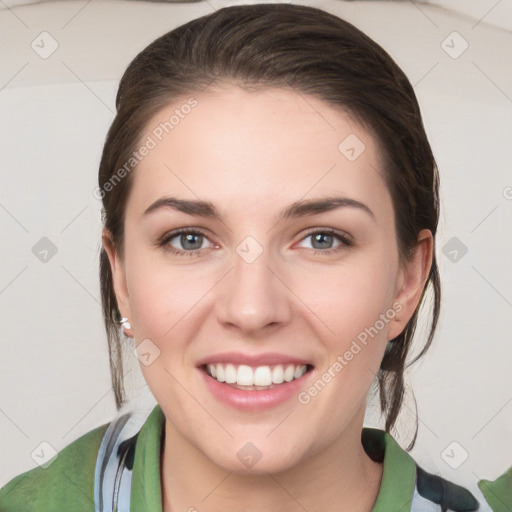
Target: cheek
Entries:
(351, 297)
(347, 314)
(162, 296)
(164, 302)
(347, 305)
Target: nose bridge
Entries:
(252, 296)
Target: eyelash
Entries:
(345, 239)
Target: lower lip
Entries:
(254, 400)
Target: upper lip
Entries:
(264, 359)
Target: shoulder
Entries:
(437, 490)
(67, 483)
(498, 492)
(432, 492)
(494, 496)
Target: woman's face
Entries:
(321, 287)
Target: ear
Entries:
(118, 274)
(411, 280)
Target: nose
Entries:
(253, 296)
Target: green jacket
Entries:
(66, 483)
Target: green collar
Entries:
(146, 492)
(396, 490)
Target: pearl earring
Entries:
(125, 323)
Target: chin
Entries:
(251, 460)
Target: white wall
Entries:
(54, 116)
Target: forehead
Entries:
(237, 147)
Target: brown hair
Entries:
(312, 52)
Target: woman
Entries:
(288, 149)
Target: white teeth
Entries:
(278, 374)
(245, 376)
(230, 374)
(220, 373)
(289, 373)
(298, 372)
(261, 376)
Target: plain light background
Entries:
(55, 112)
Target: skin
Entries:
(252, 154)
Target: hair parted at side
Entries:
(312, 52)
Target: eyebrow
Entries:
(302, 208)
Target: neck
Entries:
(339, 478)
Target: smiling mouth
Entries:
(259, 378)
